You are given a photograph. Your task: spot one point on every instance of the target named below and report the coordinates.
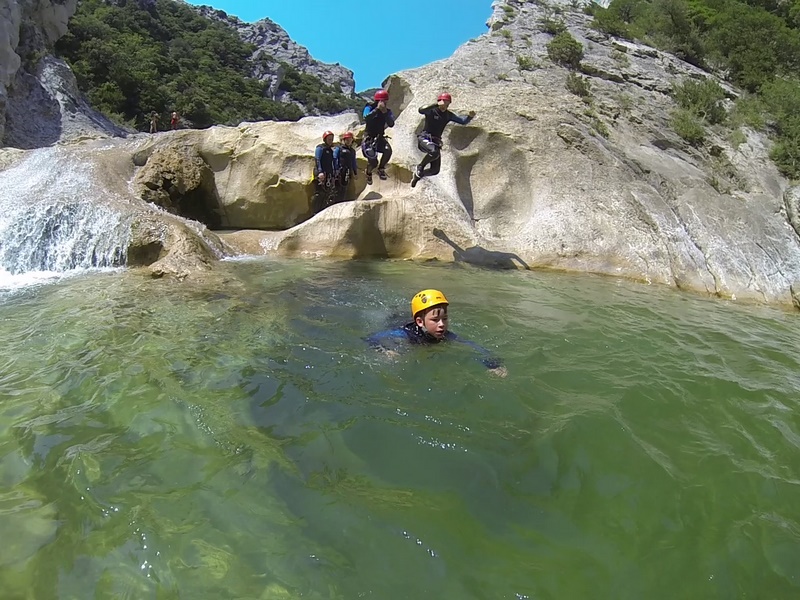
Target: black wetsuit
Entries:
(374, 136)
(324, 163)
(430, 140)
(411, 333)
(346, 167)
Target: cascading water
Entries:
(49, 222)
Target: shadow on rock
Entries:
(480, 256)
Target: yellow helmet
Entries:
(426, 299)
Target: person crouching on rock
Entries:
(324, 173)
(344, 159)
(378, 117)
(429, 326)
(437, 116)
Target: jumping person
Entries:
(378, 117)
(324, 172)
(437, 116)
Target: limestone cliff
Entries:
(273, 46)
(39, 100)
(540, 178)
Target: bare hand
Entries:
(499, 371)
(472, 114)
(321, 177)
(382, 106)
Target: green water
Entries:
(236, 439)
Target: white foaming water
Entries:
(50, 223)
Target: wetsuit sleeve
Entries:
(424, 109)
(388, 340)
(318, 159)
(337, 152)
(389, 118)
(370, 113)
(460, 120)
(488, 361)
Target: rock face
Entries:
(274, 46)
(258, 174)
(39, 100)
(540, 179)
(543, 179)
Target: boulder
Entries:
(177, 179)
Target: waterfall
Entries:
(51, 224)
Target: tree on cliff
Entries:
(130, 60)
(756, 44)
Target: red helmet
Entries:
(445, 96)
(326, 134)
(381, 95)
(348, 136)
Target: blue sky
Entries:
(374, 39)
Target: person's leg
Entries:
(436, 164)
(318, 201)
(386, 151)
(368, 150)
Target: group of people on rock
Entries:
(174, 121)
(336, 165)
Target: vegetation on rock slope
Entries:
(130, 61)
(756, 44)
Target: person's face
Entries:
(434, 321)
(328, 140)
(444, 104)
(348, 142)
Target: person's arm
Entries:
(389, 340)
(389, 118)
(370, 112)
(318, 160)
(425, 109)
(489, 361)
(462, 120)
(337, 152)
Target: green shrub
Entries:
(565, 50)
(129, 61)
(748, 110)
(702, 98)
(620, 58)
(786, 155)
(551, 26)
(524, 62)
(688, 127)
(580, 86)
(737, 138)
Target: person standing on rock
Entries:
(153, 122)
(344, 158)
(437, 116)
(378, 117)
(174, 120)
(324, 173)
